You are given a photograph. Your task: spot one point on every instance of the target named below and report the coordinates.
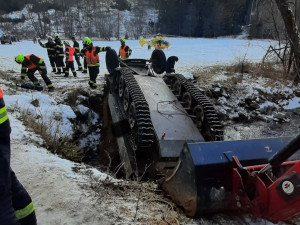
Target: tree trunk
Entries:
(36, 28)
(292, 31)
(118, 25)
(41, 28)
(56, 21)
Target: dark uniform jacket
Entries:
(50, 48)
(76, 48)
(59, 48)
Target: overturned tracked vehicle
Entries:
(154, 115)
(166, 127)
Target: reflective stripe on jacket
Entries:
(3, 113)
(22, 213)
(92, 60)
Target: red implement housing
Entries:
(265, 195)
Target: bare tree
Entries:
(120, 5)
(292, 32)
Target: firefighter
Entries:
(124, 51)
(59, 57)
(16, 205)
(77, 53)
(50, 45)
(69, 52)
(93, 60)
(30, 64)
(82, 54)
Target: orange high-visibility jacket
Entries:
(69, 52)
(91, 59)
(123, 52)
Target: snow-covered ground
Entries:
(64, 192)
(192, 52)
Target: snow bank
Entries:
(47, 111)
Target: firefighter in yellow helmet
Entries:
(30, 64)
(16, 205)
(124, 51)
(93, 60)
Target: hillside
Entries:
(110, 19)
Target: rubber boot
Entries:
(58, 71)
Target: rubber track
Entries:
(143, 118)
(210, 114)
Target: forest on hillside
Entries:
(114, 18)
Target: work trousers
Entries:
(22, 202)
(34, 80)
(59, 60)
(84, 65)
(93, 72)
(70, 65)
(77, 58)
(52, 63)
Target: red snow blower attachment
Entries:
(250, 176)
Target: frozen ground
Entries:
(67, 193)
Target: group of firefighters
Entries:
(17, 207)
(56, 53)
